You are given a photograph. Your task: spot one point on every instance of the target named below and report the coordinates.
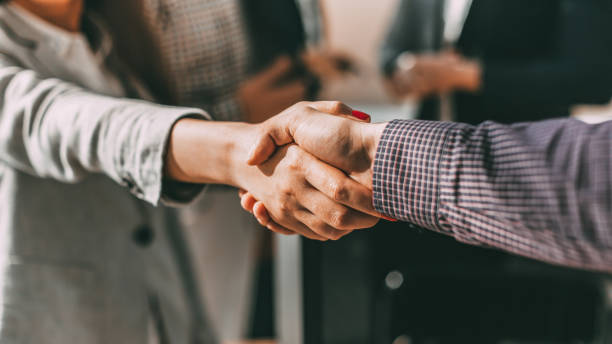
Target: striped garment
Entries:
(541, 190)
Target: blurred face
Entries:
(63, 13)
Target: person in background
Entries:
(87, 161)
(508, 61)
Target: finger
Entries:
(358, 116)
(277, 70)
(248, 202)
(322, 227)
(275, 227)
(278, 132)
(293, 224)
(241, 192)
(361, 116)
(332, 107)
(261, 213)
(334, 214)
(304, 231)
(318, 226)
(340, 188)
(263, 148)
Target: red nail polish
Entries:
(361, 115)
(387, 218)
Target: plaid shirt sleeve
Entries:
(541, 190)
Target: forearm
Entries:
(208, 152)
(540, 190)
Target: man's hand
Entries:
(338, 140)
(268, 93)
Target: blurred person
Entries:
(89, 253)
(508, 61)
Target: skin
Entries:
(350, 145)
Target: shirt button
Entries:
(143, 236)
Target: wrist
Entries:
(371, 134)
(207, 152)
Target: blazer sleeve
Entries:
(53, 129)
(578, 72)
(541, 190)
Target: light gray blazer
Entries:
(85, 256)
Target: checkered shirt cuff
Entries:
(407, 171)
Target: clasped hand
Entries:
(333, 152)
(308, 168)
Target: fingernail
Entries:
(361, 115)
(387, 218)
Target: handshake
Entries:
(306, 171)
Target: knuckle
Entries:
(294, 159)
(323, 229)
(285, 193)
(284, 209)
(339, 191)
(339, 236)
(294, 164)
(341, 219)
(335, 235)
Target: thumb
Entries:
(341, 109)
(332, 107)
(277, 130)
(263, 148)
